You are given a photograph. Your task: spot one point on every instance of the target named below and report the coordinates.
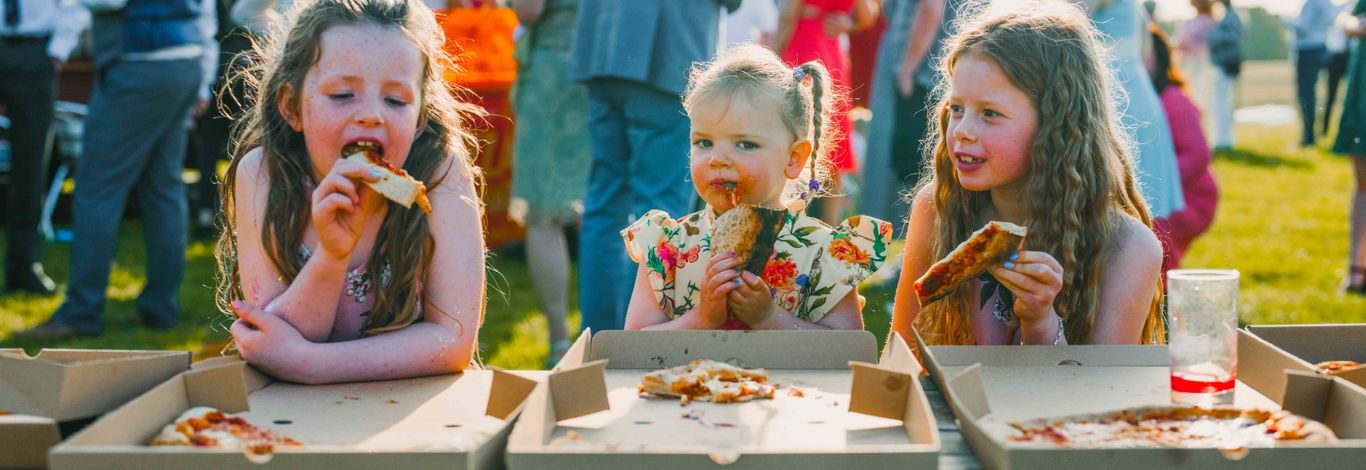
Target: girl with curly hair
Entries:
(1026, 132)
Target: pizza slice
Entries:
(986, 247)
(205, 427)
(1339, 367)
(708, 380)
(1166, 426)
(394, 183)
(749, 232)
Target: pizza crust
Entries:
(749, 232)
(1339, 367)
(988, 246)
(394, 183)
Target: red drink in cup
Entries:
(1202, 306)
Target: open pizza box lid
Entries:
(589, 414)
(988, 387)
(60, 385)
(1302, 346)
(447, 421)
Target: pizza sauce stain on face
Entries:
(741, 151)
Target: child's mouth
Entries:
(969, 159)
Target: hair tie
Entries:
(798, 74)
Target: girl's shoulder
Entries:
(251, 167)
(1132, 239)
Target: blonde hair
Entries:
(279, 62)
(805, 94)
(1080, 181)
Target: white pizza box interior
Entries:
(447, 421)
(588, 414)
(68, 384)
(988, 387)
(1307, 345)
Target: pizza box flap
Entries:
(68, 384)
(508, 393)
(624, 355)
(767, 349)
(25, 439)
(1308, 345)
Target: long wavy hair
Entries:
(806, 100)
(280, 61)
(1080, 180)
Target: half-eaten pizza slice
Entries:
(394, 183)
(986, 247)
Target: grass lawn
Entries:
(1282, 222)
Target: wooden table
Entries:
(954, 453)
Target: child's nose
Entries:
(369, 115)
(965, 131)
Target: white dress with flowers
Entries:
(812, 268)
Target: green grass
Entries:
(1282, 222)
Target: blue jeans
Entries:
(1308, 63)
(639, 136)
(134, 137)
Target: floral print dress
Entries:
(812, 268)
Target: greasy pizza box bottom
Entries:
(60, 385)
(1307, 345)
(988, 387)
(431, 422)
(814, 430)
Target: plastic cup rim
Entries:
(1203, 274)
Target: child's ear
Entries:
(796, 158)
(284, 101)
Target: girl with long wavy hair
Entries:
(328, 280)
(1026, 132)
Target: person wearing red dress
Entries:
(810, 30)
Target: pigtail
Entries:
(821, 105)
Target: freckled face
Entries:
(991, 126)
(741, 140)
(366, 86)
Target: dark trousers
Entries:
(912, 122)
(27, 89)
(134, 137)
(639, 136)
(1337, 69)
(1308, 63)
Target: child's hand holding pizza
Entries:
(719, 281)
(1035, 279)
(340, 205)
(752, 301)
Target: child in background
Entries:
(1027, 133)
(757, 138)
(331, 282)
(1179, 229)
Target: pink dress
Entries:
(809, 42)
(1179, 229)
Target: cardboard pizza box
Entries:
(589, 414)
(988, 387)
(59, 385)
(447, 421)
(1302, 346)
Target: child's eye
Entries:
(956, 110)
(395, 101)
(991, 113)
(340, 96)
(746, 145)
(702, 143)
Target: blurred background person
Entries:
(36, 37)
(1311, 33)
(903, 80)
(1124, 27)
(813, 30)
(1180, 228)
(1339, 46)
(1226, 54)
(1192, 50)
(550, 154)
(1351, 140)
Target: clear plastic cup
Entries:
(1202, 305)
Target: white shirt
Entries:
(61, 19)
(747, 23)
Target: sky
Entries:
(1181, 9)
